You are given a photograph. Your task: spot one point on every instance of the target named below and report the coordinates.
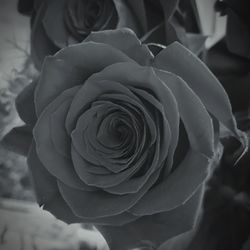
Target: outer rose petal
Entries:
(59, 208)
(177, 188)
(59, 136)
(54, 24)
(126, 17)
(157, 227)
(72, 66)
(126, 41)
(41, 45)
(200, 80)
(198, 123)
(59, 166)
(48, 196)
(25, 104)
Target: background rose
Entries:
(119, 141)
(58, 23)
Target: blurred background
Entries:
(23, 225)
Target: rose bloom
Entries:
(56, 24)
(121, 138)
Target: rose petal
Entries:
(59, 208)
(156, 228)
(98, 111)
(54, 24)
(163, 128)
(175, 58)
(85, 168)
(137, 183)
(194, 115)
(25, 104)
(41, 45)
(44, 183)
(72, 66)
(126, 41)
(177, 188)
(59, 136)
(126, 17)
(57, 165)
(99, 203)
(18, 140)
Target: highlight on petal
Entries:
(126, 41)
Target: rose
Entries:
(121, 138)
(58, 23)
